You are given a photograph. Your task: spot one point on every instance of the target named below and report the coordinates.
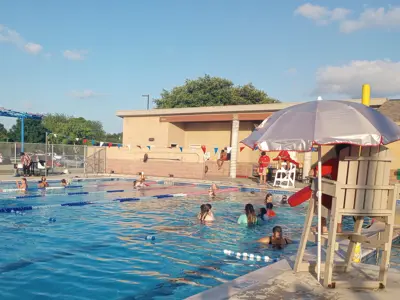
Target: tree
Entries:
(34, 131)
(68, 129)
(211, 91)
(113, 138)
(3, 133)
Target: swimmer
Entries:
(64, 183)
(22, 185)
(210, 211)
(284, 200)
(276, 238)
(137, 185)
(212, 190)
(43, 183)
(263, 214)
(249, 217)
(268, 199)
(205, 215)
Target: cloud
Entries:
(10, 36)
(373, 18)
(85, 94)
(321, 14)
(382, 75)
(33, 48)
(75, 54)
(291, 71)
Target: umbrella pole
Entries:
(319, 195)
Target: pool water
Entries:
(99, 251)
(394, 257)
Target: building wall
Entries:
(138, 130)
(216, 134)
(176, 134)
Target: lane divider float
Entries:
(249, 256)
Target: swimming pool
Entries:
(100, 251)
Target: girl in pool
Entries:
(22, 185)
(64, 183)
(268, 199)
(250, 217)
(205, 214)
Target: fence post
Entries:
(84, 159)
(52, 158)
(105, 161)
(15, 153)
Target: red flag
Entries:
(204, 148)
(241, 149)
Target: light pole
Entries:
(148, 101)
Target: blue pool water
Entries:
(100, 251)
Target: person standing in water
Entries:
(205, 213)
(22, 185)
(212, 190)
(276, 238)
(249, 217)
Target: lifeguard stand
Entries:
(362, 190)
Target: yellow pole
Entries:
(366, 94)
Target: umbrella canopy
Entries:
(301, 126)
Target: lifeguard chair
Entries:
(362, 190)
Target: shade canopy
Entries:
(301, 126)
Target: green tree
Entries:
(34, 131)
(113, 137)
(68, 129)
(3, 133)
(211, 91)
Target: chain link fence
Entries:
(56, 156)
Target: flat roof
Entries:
(253, 108)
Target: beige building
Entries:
(214, 127)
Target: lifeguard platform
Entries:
(362, 190)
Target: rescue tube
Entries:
(299, 197)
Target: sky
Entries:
(91, 58)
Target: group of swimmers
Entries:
(250, 217)
(23, 183)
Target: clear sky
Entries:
(91, 58)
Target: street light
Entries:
(148, 101)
